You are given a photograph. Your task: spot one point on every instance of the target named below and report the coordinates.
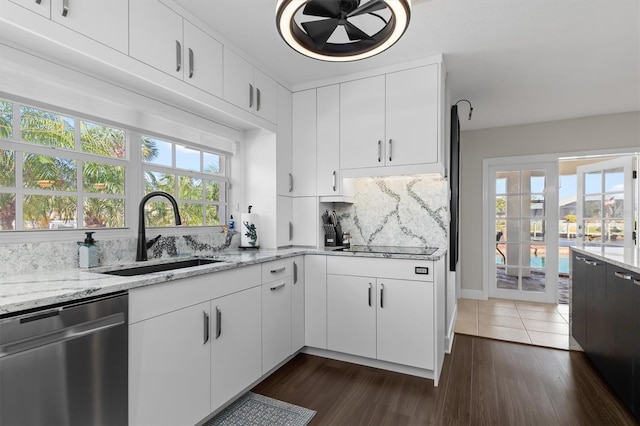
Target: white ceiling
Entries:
(517, 61)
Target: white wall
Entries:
(615, 131)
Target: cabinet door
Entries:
(579, 300)
(43, 8)
(362, 121)
(405, 322)
(598, 332)
(238, 81)
(169, 368)
(235, 344)
(156, 36)
(412, 116)
(351, 315)
(265, 89)
(297, 305)
(304, 143)
(284, 148)
(315, 301)
(104, 21)
(276, 322)
(202, 60)
(328, 140)
(284, 221)
(305, 221)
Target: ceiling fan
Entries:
(342, 30)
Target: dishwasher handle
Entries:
(62, 335)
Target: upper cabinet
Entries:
(163, 39)
(249, 88)
(328, 139)
(392, 120)
(304, 143)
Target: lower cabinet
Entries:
(235, 344)
(276, 322)
(169, 374)
(297, 304)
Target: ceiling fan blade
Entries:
(355, 33)
(322, 8)
(368, 7)
(320, 31)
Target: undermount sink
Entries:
(148, 269)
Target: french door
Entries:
(605, 208)
(524, 201)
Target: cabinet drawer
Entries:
(402, 269)
(277, 269)
(154, 300)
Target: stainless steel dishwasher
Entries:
(66, 365)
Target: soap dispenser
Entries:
(88, 255)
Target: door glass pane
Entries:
(592, 206)
(593, 183)
(512, 254)
(614, 180)
(614, 206)
(509, 182)
(614, 231)
(537, 181)
(537, 229)
(512, 206)
(592, 229)
(512, 231)
(533, 206)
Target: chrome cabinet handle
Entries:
(250, 95)
(623, 276)
(290, 231)
(379, 151)
(38, 1)
(390, 147)
(370, 286)
(334, 180)
(381, 295)
(205, 318)
(295, 272)
(279, 286)
(290, 182)
(218, 322)
(275, 271)
(190, 63)
(591, 262)
(636, 282)
(581, 258)
(257, 99)
(65, 7)
(178, 56)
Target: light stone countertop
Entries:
(38, 290)
(633, 266)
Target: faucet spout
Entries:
(141, 253)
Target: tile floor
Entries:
(539, 324)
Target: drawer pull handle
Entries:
(591, 262)
(218, 322)
(190, 63)
(381, 295)
(279, 286)
(370, 287)
(178, 56)
(295, 272)
(275, 271)
(65, 7)
(623, 276)
(581, 258)
(206, 327)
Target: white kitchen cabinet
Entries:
(284, 221)
(235, 335)
(391, 120)
(276, 322)
(351, 315)
(104, 21)
(297, 304)
(315, 301)
(305, 221)
(328, 141)
(169, 368)
(249, 88)
(304, 143)
(42, 8)
(164, 40)
(284, 172)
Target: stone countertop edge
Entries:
(634, 267)
(38, 290)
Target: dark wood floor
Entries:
(484, 382)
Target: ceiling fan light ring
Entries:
(300, 41)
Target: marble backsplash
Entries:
(34, 257)
(407, 211)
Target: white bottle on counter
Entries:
(88, 253)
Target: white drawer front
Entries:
(401, 269)
(277, 269)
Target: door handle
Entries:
(290, 182)
(295, 272)
(379, 151)
(250, 95)
(381, 295)
(370, 286)
(257, 99)
(190, 63)
(290, 231)
(65, 7)
(334, 180)
(205, 318)
(178, 56)
(218, 322)
(390, 146)
(275, 271)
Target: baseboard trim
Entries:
(472, 294)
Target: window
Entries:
(61, 172)
(195, 177)
(58, 171)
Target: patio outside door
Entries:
(605, 208)
(525, 219)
